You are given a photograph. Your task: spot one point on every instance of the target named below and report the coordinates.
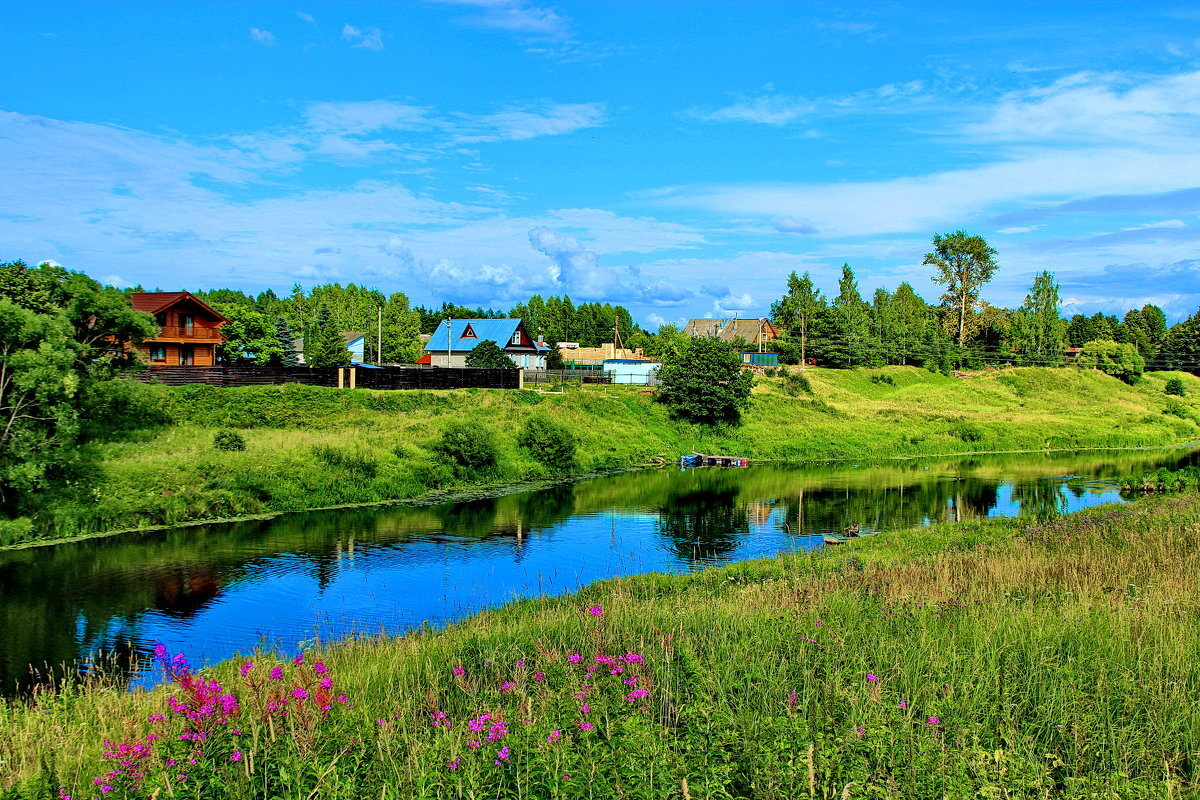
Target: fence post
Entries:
(520, 379)
(341, 378)
(353, 375)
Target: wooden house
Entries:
(190, 329)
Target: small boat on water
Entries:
(705, 460)
(831, 539)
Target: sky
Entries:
(679, 157)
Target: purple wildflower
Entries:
(596, 610)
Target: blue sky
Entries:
(677, 157)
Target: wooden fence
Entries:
(350, 377)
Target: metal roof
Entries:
(499, 331)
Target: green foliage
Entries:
(1181, 346)
(229, 440)
(883, 378)
(323, 344)
(549, 442)
(796, 382)
(115, 409)
(488, 355)
(358, 463)
(705, 383)
(1038, 332)
(1174, 386)
(1113, 358)
(285, 340)
(554, 359)
(964, 264)
(249, 336)
(471, 448)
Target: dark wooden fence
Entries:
(360, 377)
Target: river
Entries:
(213, 591)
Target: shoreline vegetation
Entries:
(309, 448)
(989, 657)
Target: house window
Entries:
(185, 322)
(160, 319)
(158, 352)
(516, 337)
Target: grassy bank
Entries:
(991, 658)
(310, 447)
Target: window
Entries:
(469, 333)
(185, 322)
(160, 319)
(187, 355)
(158, 352)
(516, 337)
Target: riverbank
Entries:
(310, 447)
(960, 660)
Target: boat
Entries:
(831, 539)
(705, 460)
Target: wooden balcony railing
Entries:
(194, 332)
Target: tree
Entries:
(705, 383)
(1038, 330)
(488, 355)
(323, 344)
(39, 422)
(249, 335)
(797, 309)
(964, 264)
(286, 341)
(554, 359)
(850, 325)
(1119, 359)
(1181, 346)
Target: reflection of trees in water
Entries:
(546, 507)
(885, 507)
(1040, 498)
(703, 523)
(474, 519)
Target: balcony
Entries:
(192, 333)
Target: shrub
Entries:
(796, 383)
(705, 383)
(358, 463)
(548, 442)
(1113, 358)
(488, 355)
(229, 440)
(1175, 387)
(471, 447)
(885, 379)
(14, 531)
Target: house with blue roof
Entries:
(454, 338)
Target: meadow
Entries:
(987, 658)
(312, 447)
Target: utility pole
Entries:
(803, 332)
(379, 341)
(448, 342)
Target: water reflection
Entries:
(211, 591)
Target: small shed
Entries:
(634, 371)
(761, 359)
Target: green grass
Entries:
(1056, 659)
(310, 447)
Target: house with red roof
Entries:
(190, 329)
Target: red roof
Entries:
(154, 302)
(426, 359)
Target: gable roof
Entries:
(154, 302)
(499, 331)
(727, 330)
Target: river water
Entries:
(217, 590)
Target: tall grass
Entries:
(991, 658)
(311, 447)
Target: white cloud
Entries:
(1020, 229)
(516, 124)
(262, 37)
(1166, 223)
(305, 17)
(515, 16)
(365, 116)
(366, 38)
(771, 108)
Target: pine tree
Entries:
(323, 347)
(285, 337)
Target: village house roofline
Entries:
(155, 302)
(499, 331)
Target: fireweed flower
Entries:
(574, 658)
(276, 673)
(236, 755)
(596, 610)
(903, 704)
(501, 756)
(872, 678)
(585, 708)
(300, 693)
(299, 659)
(453, 765)
(319, 668)
(539, 676)
(586, 726)
(507, 686)
(554, 736)
(459, 670)
(933, 722)
(246, 668)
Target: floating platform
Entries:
(705, 460)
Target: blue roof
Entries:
(499, 331)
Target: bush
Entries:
(704, 383)
(488, 355)
(229, 440)
(358, 463)
(1113, 358)
(15, 531)
(1175, 387)
(548, 442)
(885, 379)
(471, 448)
(797, 382)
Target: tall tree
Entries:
(797, 310)
(323, 344)
(285, 339)
(964, 264)
(851, 325)
(705, 383)
(1038, 330)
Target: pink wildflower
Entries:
(459, 670)
(276, 673)
(246, 668)
(586, 726)
(554, 736)
(574, 658)
(596, 610)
